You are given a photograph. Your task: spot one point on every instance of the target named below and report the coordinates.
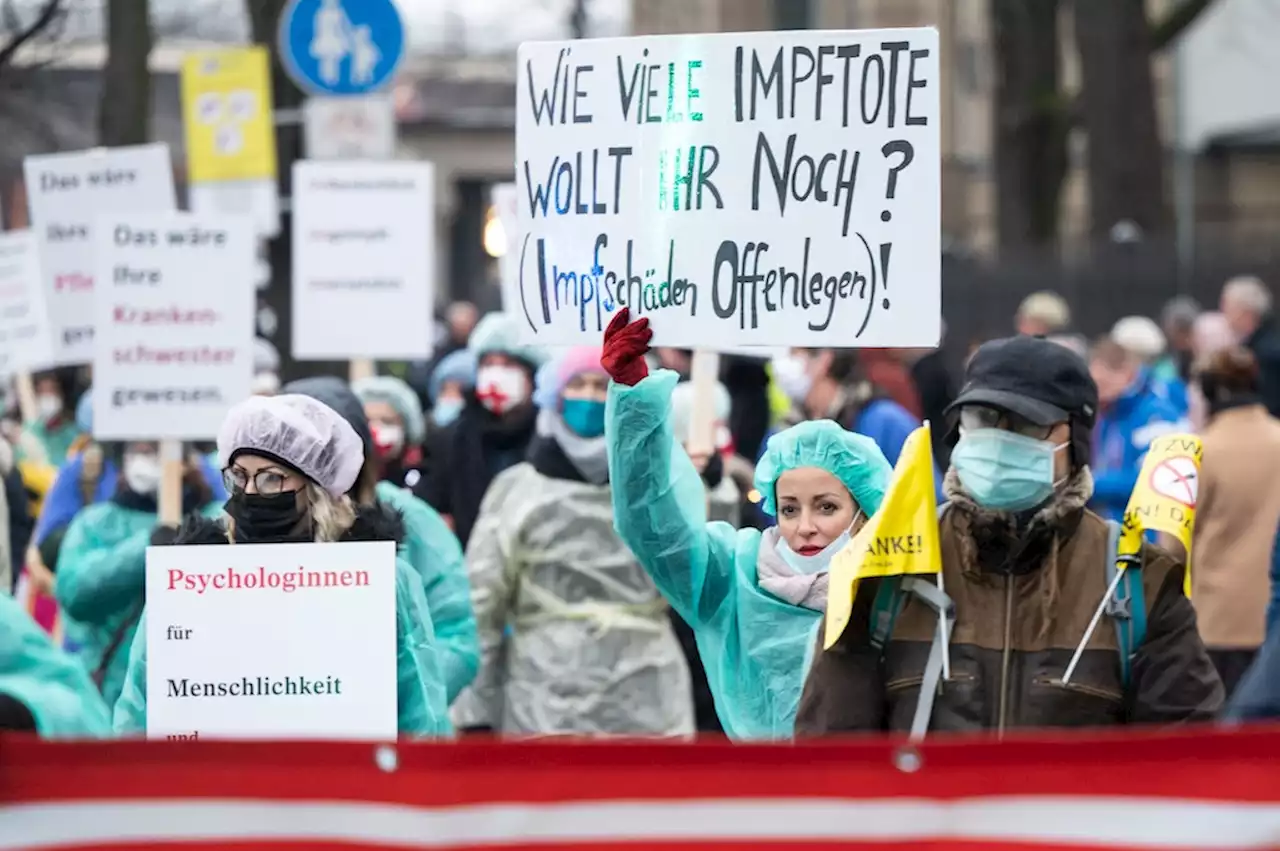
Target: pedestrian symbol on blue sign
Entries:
(341, 47)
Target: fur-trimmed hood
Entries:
(376, 522)
(998, 542)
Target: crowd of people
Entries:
(570, 563)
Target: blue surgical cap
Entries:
(500, 332)
(459, 366)
(852, 458)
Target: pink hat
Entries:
(556, 373)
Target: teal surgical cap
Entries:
(500, 332)
(852, 458)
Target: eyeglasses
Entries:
(975, 417)
(265, 482)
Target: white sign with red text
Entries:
(276, 641)
(24, 322)
(175, 319)
(65, 194)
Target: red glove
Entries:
(625, 346)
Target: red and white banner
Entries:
(1200, 789)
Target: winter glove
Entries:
(625, 346)
(164, 536)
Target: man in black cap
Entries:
(1030, 623)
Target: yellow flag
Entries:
(226, 111)
(901, 538)
(1164, 499)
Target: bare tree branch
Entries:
(50, 15)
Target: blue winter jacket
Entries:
(1121, 436)
(65, 497)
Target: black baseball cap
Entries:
(1042, 381)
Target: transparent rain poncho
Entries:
(755, 647)
(574, 636)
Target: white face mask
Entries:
(792, 374)
(49, 405)
(820, 561)
(501, 388)
(142, 473)
(387, 438)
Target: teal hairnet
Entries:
(400, 396)
(500, 332)
(852, 458)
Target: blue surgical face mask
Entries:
(1004, 471)
(584, 417)
(819, 561)
(446, 411)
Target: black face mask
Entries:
(265, 519)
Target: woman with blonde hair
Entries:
(290, 463)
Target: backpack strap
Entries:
(1127, 608)
(888, 605)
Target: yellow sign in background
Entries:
(226, 113)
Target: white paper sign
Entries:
(65, 194)
(505, 204)
(363, 260)
(350, 128)
(24, 322)
(283, 641)
(175, 318)
(743, 189)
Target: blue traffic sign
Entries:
(341, 47)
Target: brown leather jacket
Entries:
(1023, 602)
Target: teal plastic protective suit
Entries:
(433, 551)
(756, 647)
(52, 685)
(420, 691)
(101, 583)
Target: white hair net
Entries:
(306, 434)
(1140, 336)
(852, 458)
(400, 396)
(500, 332)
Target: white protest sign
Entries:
(243, 641)
(24, 322)
(505, 205)
(742, 189)
(175, 312)
(65, 194)
(363, 252)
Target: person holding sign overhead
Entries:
(430, 548)
(102, 561)
(1026, 574)
(753, 599)
(291, 462)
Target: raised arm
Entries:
(659, 500)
